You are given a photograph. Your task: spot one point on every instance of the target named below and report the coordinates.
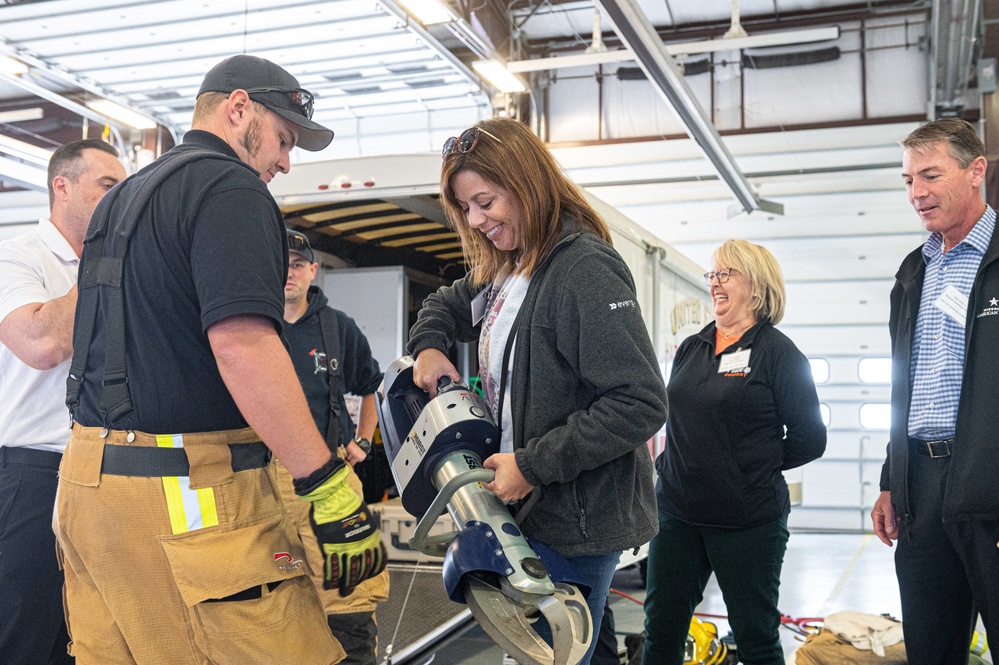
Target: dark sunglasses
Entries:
(466, 142)
(299, 98)
(297, 244)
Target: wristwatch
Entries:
(363, 444)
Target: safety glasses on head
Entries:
(297, 243)
(301, 100)
(465, 142)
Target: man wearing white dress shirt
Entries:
(38, 272)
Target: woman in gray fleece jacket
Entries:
(566, 362)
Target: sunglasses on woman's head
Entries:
(465, 142)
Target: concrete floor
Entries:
(822, 574)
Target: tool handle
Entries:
(436, 545)
(446, 384)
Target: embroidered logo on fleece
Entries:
(622, 304)
(991, 310)
(293, 563)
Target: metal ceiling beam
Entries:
(47, 70)
(25, 174)
(470, 39)
(59, 100)
(635, 30)
(464, 33)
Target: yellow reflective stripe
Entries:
(209, 512)
(189, 509)
(175, 504)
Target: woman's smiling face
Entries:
(489, 209)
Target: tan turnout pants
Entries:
(146, 559)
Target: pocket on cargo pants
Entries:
(284, 623)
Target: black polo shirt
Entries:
(211, 244)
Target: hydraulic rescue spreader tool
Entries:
(511, 583)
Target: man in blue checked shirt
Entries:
(940, 481)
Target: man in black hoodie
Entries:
(312, 327)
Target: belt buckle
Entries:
(941, 442)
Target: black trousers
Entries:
(747, 563)
(947, 572)
(32, 625)
(357, 634)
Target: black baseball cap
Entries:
(298, 242)
(275, 88)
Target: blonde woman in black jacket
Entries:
(744, 409)
(577, 389)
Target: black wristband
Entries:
(305, 485)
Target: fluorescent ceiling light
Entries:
(498, 75)
(121, 114)
(428, 12)
(12, 66)
(25, 151)
(784, 38)
(21, 115)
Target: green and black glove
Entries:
(347, 531)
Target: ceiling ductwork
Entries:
(955, 50)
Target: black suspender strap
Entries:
(331, 342)
(103, 263)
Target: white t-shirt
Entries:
(497, 326)
(35, 267)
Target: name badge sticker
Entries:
(734, 362)
(479, 306)
(954, 304)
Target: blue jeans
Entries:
(597, 570)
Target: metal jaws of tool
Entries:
(510, 624)
(435, 448)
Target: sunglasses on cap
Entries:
(300, 245)
(465, 142)
(301, 99)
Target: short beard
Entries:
(251, 138)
